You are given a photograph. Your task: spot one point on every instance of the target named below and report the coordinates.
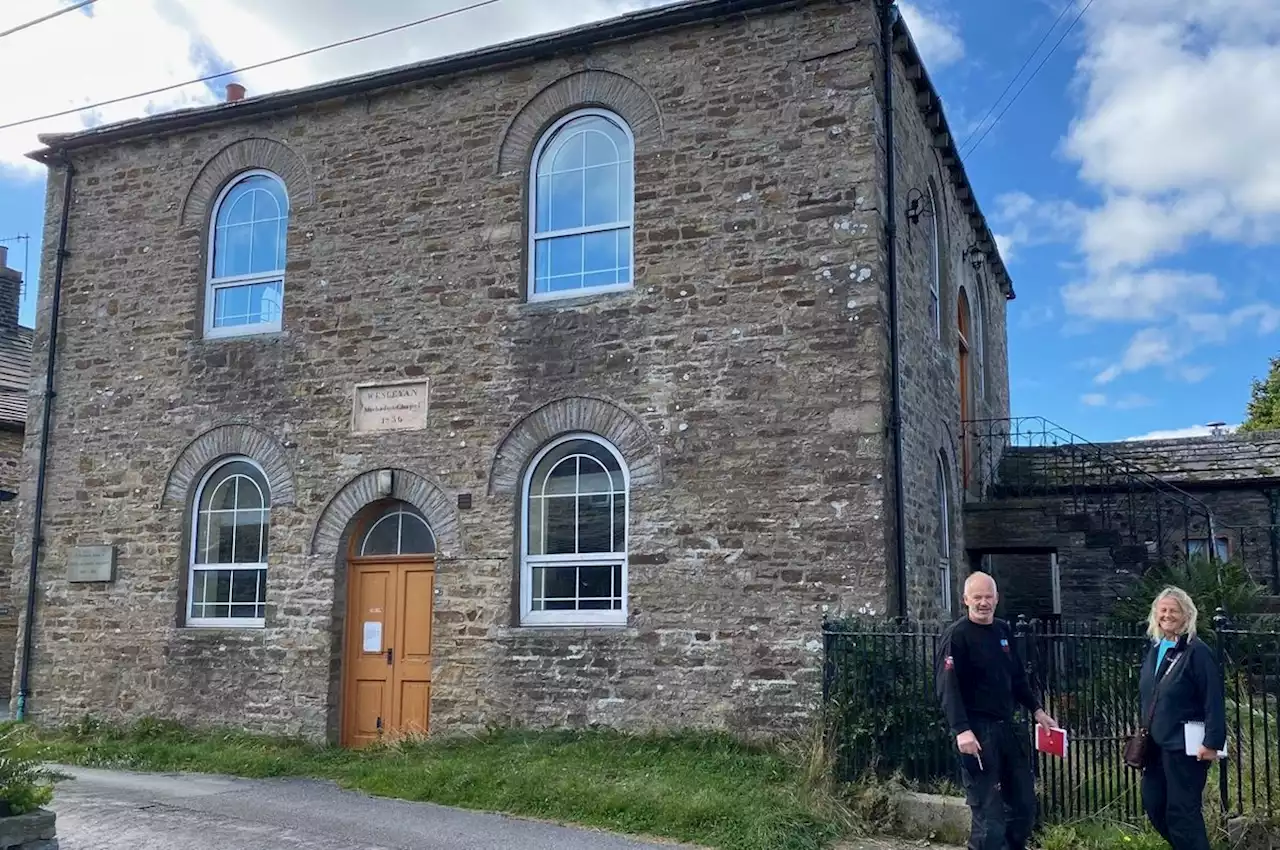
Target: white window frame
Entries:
(977, 314)
(398, 511)
(212, 284)
(193, 568)
(529, 617)
(935, 262)
(1220, 542)
(535, 237)
(944, 534)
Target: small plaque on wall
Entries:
(400, 406)
(92, 564)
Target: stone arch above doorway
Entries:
(406, 486)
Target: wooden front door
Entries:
(387, 660)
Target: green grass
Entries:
(710, 790)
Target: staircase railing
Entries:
(1031, 457)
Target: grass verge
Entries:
(710, 790)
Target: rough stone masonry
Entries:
(744, 378)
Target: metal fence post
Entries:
(1220, 625)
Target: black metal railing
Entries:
(1032, 458)
(878, 688)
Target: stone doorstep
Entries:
(31, 831)
(932, 817)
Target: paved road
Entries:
(112, 810)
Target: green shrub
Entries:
(25, 783)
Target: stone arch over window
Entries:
(246, 155)
(225, 441)
(621, 428)
(373, 486)
(605, 89)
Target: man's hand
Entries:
(967, 742)
(1207, 754)
(1043, 718)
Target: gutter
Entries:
(24, 687)
(888, 18)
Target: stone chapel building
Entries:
(550, 383)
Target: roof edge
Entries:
(935, 119)
(632, 25)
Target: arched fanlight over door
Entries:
(398, 530)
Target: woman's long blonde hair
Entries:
(1188, 607)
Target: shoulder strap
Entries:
(1155, 691)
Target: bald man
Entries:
(980, 680)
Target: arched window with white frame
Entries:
(573, 562)
(227, 583)
(247, 240)
(581, 197)
(399, 530)
(934, 240)
(944, 534)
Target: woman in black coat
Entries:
(1182, 676)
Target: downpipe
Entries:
(888, 18)
(24, 687)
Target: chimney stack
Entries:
(10, 291)
(235, 92)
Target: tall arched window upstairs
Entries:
(245, 290)
(574, 546)
(581, 198)
(944, 535)
(934, 243)
(227, 579)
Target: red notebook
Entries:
(1052, 741)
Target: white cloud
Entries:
(1180, 433)
(135, 45)
(1027, 222)
(938, 38)
(1181, 112)
(1139, 296)
(1093, 400)
(1148, 347)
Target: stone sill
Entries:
(31, 831)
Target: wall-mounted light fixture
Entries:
(915, 205)
(975, 255)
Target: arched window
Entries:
(574, 545)
(581, 200)
(245, 291)
(979, 338)
(934, 244)
(399, 530)
(944, 534)
(228, 575)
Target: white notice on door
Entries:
(373, 637)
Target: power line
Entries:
(1043, 62)
(48, 17)
(252, 67)
(1066, 7)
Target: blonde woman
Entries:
(1180, 684)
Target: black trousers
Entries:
(1001, 793)
(1173, 797)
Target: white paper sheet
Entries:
(372, 637)
(1193, 735)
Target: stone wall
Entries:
(752, 353)
(931, 406)
(11, 476)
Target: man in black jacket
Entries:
(980, 680)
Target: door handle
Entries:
(389, 654)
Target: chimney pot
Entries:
(235, 92)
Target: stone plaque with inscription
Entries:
(400, 406)
(92, 563)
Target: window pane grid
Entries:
(246, 270)
(229, 553)
(412, 535)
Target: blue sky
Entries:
(1134, 185)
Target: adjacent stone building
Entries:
(546, 384)
(15, 376)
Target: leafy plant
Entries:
(1211, 586)
(25, 783)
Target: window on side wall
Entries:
(581, 198)
(227, 579)
(1198, 547)
(574, 542)
(245, 289)
(934, 239)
